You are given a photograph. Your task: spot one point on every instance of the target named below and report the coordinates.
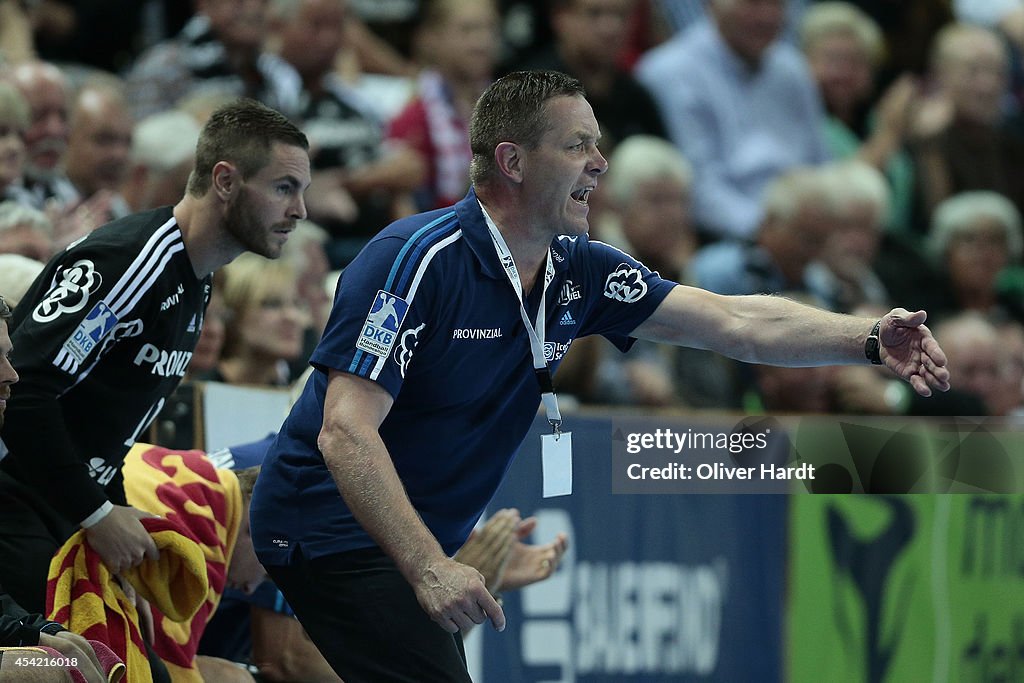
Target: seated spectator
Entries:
(975, 237)
(220, 49)
(25, 231)
(971, 149)
(843, 276)
(45, 89)
(16, 275)
(306, 251)
(360, 183)
(589, 38)
(14, 120)
(266, 325)
(972, 343)
(96, 162)
(1009, 400)
(161, 158)
(742, 107)
(648, 195)
(16, 43)
(797, 225)
(458, 44)
(844, 48)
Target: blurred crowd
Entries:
(855, 155)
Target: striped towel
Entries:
(184, 487)
(84, 596)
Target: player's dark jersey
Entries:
(100, 340)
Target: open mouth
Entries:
(582, 196)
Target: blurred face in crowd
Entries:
(796, 241)
(312, 286)
(239, 24)
(273, 325)
(974, 351)
(976, 255)
(856, 235)
(973, 70)
(748, 27)
(842, 67)
(656, 221)
(12, 150)
(589, 31)
(100, 142)
(1011, 369)
(795, 390)
(46, 139)
(464, 41)
(311, 38)
(211, 337)
(8, 376)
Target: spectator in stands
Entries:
(306, 252)
(457, 42)
(972, 342)
(220, 49)
(742, 107)
(96, 162)
(25, 231)
(798, 223)
(16, 44)
(266, 322)
(843, 277)
(360, 184)
(844, 49)
(45, 89)
(972, 149)
(14, 120)
(1009, 400)
(161, 158)
(975, 237)
(589, 37)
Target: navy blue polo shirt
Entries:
(427, 311)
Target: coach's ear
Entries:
(510, 160)
(225, 179)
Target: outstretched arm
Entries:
(773, 330)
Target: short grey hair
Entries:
(14, 215)
(787, 193)
(305, 232)
(17, 273)
(853, 180)
(642, 158)
(823, 19)
(955, 215)
(164, 141)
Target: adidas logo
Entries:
(567, 319)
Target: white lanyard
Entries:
(536, 333)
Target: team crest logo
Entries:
(380, 329)
(406, 345)
(570, 292)
(625, 284)
(100, 321)
(70, 294)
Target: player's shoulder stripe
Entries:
(145, 268)
(412, 252)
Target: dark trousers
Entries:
(365, 619)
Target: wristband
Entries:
(873, 347)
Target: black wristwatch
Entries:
(872, 347)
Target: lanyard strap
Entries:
(535, 331)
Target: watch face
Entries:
(872, 350)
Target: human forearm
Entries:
(757, 329)
(366, 478)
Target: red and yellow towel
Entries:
(200, 509)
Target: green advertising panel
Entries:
(906, 588)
